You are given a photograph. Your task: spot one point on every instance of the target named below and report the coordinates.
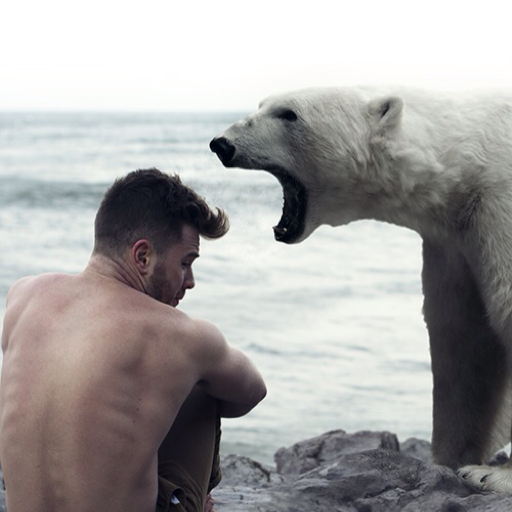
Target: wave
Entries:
(30, 193)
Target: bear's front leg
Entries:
(468, 361)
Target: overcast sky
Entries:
(191, 55)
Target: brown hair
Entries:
(151, 204)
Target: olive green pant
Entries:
(188, 459)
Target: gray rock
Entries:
(243, 471)
(417, 448)
(336, 472)
(309, 454)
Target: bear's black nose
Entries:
(223, 148)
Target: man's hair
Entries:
(153, 205)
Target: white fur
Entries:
(488, 478)
(440, 164)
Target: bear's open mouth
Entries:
(291, 225)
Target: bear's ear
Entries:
(386, 112)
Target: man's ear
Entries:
(386, 112)
(141, 254)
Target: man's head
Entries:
(149, 204)
(154, 221)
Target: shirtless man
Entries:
(110, 397)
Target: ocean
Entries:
(334, 323)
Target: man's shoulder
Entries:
(193, 331)
(30, 284)
(203, 337)
(170, 318)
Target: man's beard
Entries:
(158, 284)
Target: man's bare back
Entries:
(77, 325)
(95, 371)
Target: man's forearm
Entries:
(236, 409)
(231, 410)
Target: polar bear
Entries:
(440, 164)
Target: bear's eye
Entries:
(287, 115)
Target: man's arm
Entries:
(226, 373)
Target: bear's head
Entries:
(322, 146)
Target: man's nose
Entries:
(190, 282)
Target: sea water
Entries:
(333, 323)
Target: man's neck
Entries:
(115, 269)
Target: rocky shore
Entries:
(340, 472)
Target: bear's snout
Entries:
(224, 149)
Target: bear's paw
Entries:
(488, 478)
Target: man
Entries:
(110, 397)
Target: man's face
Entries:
(172, 275)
